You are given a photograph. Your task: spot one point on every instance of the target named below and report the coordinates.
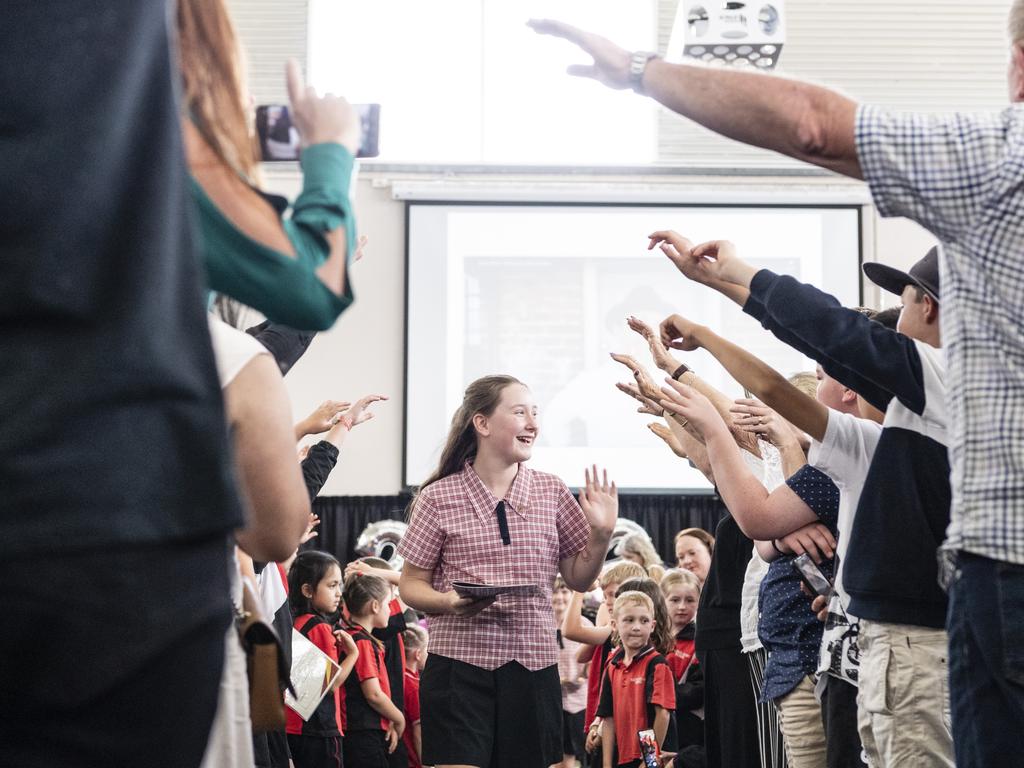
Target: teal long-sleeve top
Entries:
(284, 288)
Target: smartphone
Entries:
(649, 748)
(811, 575)
(280, 140)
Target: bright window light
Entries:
(466, 81)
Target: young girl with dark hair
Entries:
(490, 689)
(314, 593)
(373, 724)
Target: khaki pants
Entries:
(903, 700)
(802, 728)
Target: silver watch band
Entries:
(637, 66)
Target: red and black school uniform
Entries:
(411, 697)
(364, 745)
(598, 660)
(394, 663)
(316, 743)
(683, 655)
(629, 694)
(689, 677)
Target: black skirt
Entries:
(508, 717)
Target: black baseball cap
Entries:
(924, 274)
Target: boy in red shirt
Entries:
(415, 657)
(638, 691)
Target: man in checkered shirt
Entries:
(962, 177)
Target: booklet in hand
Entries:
(480, 591)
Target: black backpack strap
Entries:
(308, 626)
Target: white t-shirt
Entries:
(844, 454)
(232, 349)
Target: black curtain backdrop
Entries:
(343, 518)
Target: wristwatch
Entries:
(637, 65)
(683, 368)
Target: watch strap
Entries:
(638, 62)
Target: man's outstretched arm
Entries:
(797, 119)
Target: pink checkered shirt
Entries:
(454, 532)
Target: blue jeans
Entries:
(986, 661)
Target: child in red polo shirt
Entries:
(373, 724)
(638, 691)
(682, 594)
(415, 657)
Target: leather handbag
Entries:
(265, 663)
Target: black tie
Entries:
(503, 524)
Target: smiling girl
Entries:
(490, 692)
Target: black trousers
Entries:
(730, 725)
(839, 717)
(112, 657)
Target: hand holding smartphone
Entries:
(280, 140)
(649, 751)
(811, 575)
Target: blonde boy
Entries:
(638, 691)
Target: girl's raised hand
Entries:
(599, 499)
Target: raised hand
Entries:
(599, 499)
(753, 416)
(611, 63)
(718, 258)
(310, 533)
(648, 406)
(644, 382)
(363, 240)
(323, 417)
(669, 437)
(687, 402)
(680, 252)
(321, 119)
(359, 412)
(679, 333)
(662, 357)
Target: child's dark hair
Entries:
(310, 567)
(661, 637)
(360, 589)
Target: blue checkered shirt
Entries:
(961, 176)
